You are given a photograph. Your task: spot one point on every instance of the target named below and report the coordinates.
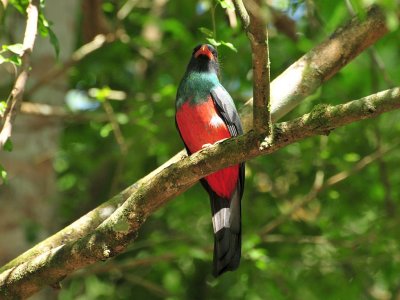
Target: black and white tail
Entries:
(226, 219)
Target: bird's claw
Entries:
(206, 146)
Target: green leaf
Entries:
(352, 157)
(15, 59)
(226, 4)
(54, 42)
(206, 31)
(3, 175)
(101, 95)
(20, 5)
(122, 118)
(213, 42)
(8, 146)
(3, 106)
(108, 7)
(106, 130)
(15, 48)
(45, 30)
(392, 21)
(359, 8)
(216, 43)
(229, 45)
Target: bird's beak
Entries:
(204, 51)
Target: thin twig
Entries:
(15, 98)
(126, 9)
(152, 287)
(123, 146)
(60, 113)
(119, 137)
(99, 41)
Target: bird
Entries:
(206, 114)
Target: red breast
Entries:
(200, 124)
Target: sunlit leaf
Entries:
(226, 4)
(352, 157)
(15, 48)
(206, 31)
(3, 175)
(3, 106)
(213, 42)
(229, 45)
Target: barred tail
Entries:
(226, 218)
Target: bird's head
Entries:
(204, 59)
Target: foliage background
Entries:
(344, 244)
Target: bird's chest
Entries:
(200, 124)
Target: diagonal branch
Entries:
(15, 98)
(306, 75)
(320, 64)
(112, 236)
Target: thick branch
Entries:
(283, 100)
(113, 235)
(320, 64)
(15, 98)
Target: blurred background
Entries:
(320, 217)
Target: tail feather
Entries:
(227, 232)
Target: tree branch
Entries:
(15, 98)
(99, 41)
(112, 236)
(312, 66)
(255, 25)
(60, 113)
(320, 64)
(243, 14)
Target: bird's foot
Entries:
(220, 141)
(217, 142)
(206, 146)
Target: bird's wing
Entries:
(227, 110)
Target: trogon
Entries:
(205, 114)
